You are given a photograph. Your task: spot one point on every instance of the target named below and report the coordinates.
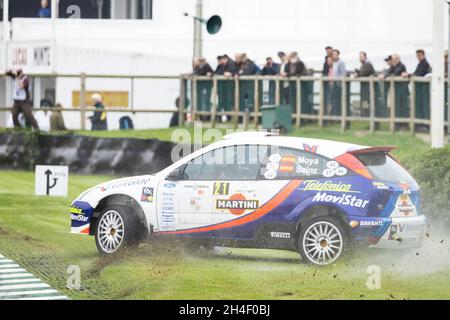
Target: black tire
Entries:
(324, 246)
(126, 237)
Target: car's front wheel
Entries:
(323, 240)
(114, 229)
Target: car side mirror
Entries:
(175, 175)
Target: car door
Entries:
(284, 166)
(236, 192)
(185, 203)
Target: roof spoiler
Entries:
(372, 149)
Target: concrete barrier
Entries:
(84, 154)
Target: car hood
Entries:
(115, 186)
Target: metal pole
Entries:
(5, 21)
(198, 41)
(437, 81)
(448, 76)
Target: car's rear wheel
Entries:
(323, 240)
(115, 229)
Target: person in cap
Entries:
(21, 98)
(98, 120)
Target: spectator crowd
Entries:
(289, 65)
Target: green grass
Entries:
(36, 229)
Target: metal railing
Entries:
(398, 101)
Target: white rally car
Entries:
(264, 191)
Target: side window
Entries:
(239, 162)
(288, 163)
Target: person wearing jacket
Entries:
(246, 67)
(98, 120)
(271, 69)
(21, 97)
(366, 70)
(204, 87)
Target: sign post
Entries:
(51, 180)
(437, 81)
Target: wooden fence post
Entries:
(83, 101)
(257, 103)
(412, 106)
(182, 102)
(194, 99)
(372, 105)
(392, 105)
(343, 105)
(214, 103)
(277, 91)
(236, 103)
(321, 101)
(299, 103)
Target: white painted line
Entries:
(6, 260)
(12, 281)
(23, 286)
(15, 275)
(11, 265)
(12, 270)
(23, 293)
(46, 298)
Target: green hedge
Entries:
(432, 171)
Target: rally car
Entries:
(262, 190)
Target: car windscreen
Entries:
(385, 168)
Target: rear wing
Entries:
(372, 149)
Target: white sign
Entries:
(51, 180)
(33, 57)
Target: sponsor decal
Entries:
(345, 199)
(308, 161)
(287, 163)
(328, 172)
(393, 230)
(169, 185)
(76, 210)
(405, 206)
(332, 164)
(370, 223)
(380, 185)
(286, 168)
(237, 204)
(404, 227)
(317, 185)
(284, 235)
(270, 175)
(126, 183)
(272, 166)
(147, 194)
(307, 171)
(341, 171)
(275, 157)
(333, 169)
(79, 217)
(310, 149)
(221, 188)
(354, 223)
(406, 188)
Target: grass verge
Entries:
(35, 231)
